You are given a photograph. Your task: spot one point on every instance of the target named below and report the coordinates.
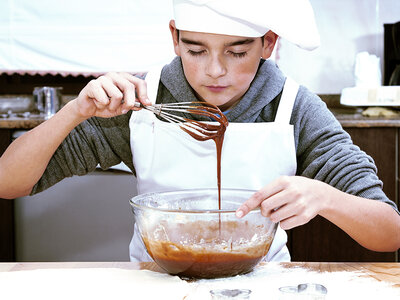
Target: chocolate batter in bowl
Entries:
(187, 235)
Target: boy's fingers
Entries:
(258, 197)
(250, 204)
(97, 93)
(115, 94)
(140, 88)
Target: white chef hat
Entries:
(292, 20)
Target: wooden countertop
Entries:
(20, 123)
(352, 117)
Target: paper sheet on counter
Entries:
(91, 283)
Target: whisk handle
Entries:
(139, 105)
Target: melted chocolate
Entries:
(203, 131)
(203, 254)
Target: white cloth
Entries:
(99, 36)
(253, 154)
(292, 20)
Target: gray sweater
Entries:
(324, 150)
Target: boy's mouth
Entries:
(216, 88)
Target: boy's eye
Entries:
(194, 53)
(238, 54)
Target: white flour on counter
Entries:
(115, 283)
(264, 282)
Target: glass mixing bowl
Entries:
(187, 235)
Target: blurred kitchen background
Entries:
(68, 43)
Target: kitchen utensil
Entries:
(200, 130)
(48, 100)
(186, 234)
(15, 104)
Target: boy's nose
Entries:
(216, 67)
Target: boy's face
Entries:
(218, 67)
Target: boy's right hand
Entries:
(111, 95)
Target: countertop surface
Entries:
(352, 117)
(348, 117)
(100, 280)
(20, 122)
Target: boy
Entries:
(282, 141)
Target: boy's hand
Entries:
(111, 95)
(290, 200)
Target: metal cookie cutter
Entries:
(230, 294)
(312, 291)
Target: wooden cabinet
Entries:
(320, 240)
(7, 252)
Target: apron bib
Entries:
(253, 154)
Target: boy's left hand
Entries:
(290, 200)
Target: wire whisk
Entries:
(200, 130)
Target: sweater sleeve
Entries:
(96, 141)
(326, 152)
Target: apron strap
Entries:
(288, 98)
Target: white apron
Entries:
(253, 154)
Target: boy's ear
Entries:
(270, 39)
(175, 38)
